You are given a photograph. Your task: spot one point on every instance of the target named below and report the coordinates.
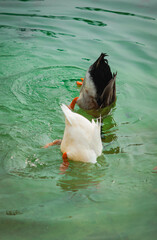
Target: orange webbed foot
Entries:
(72, 104)
(55, 142)
(155, 170)
(80, 83)
(65, 164)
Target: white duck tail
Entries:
(67, 112)
(81, 140)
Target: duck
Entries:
(98, 86)
(81, 139)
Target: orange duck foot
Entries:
(80, 83)
(155, 170)
(65, 164)
(72, 104)
(55, 142)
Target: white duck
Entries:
(81, 140)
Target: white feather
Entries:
(81, 140)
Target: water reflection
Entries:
(83, 175)
(109, 128)
(103, 112)
(108, 135)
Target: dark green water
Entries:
(45, 47)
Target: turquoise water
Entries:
(45, 47)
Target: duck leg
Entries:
(72, 104)
(55, 142)
(65, 164)
(80, 83)
(155, 170)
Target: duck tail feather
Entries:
(108, 95)
(114, 75)
(104, 54)
(67, 112)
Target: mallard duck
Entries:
(81, 140)
(98, 88)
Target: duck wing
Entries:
(108, 95)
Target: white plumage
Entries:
(81, 140)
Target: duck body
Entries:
(81, 139)
(99, 86)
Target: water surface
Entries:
(45, 47)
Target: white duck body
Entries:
(81, 140)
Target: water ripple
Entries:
(46, 32)
(115, 12)
(88, 21)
